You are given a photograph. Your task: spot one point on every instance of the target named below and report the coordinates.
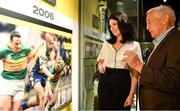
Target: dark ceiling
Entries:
(130, 6)
(175, 4)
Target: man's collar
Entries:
(161, 36)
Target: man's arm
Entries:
(34, 51)
(47, 72)
(163, 74)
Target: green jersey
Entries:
(14, 64)
(54, 71)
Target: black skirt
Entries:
(113, 89)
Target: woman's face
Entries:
(113, 24)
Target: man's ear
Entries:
(165, 19)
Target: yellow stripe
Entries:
(15, 61)
(68, 107)
(67, 46)
(14, 66)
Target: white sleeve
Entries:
(102, 51)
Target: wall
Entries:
(91, 41)
(65, 16)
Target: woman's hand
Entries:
(129, 100)
(101, 66)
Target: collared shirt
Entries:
(14, 64)
(158, 40)
(116, 58)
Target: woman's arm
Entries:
(134, 81)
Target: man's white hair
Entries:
(163, 9)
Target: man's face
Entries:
(49, 41)
(153, 24)
(16, 43)
(50, 44)
(58, 62)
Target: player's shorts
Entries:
(36, 78)
(14, 88)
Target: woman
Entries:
(116, 85)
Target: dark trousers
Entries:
(113, 89)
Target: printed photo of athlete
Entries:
(39, 73)
(15, 57)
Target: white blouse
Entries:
(115, 59)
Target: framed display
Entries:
(32, 32)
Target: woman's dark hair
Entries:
(126, 28)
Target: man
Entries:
(52, 86)
(15, 57)
(160, 76)
(39, 74)
(52, 90)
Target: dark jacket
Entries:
(160, 78)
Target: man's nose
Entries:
(19, 45)
(147, 27)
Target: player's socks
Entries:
(25, 105)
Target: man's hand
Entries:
(51, 77)
(133, 60)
